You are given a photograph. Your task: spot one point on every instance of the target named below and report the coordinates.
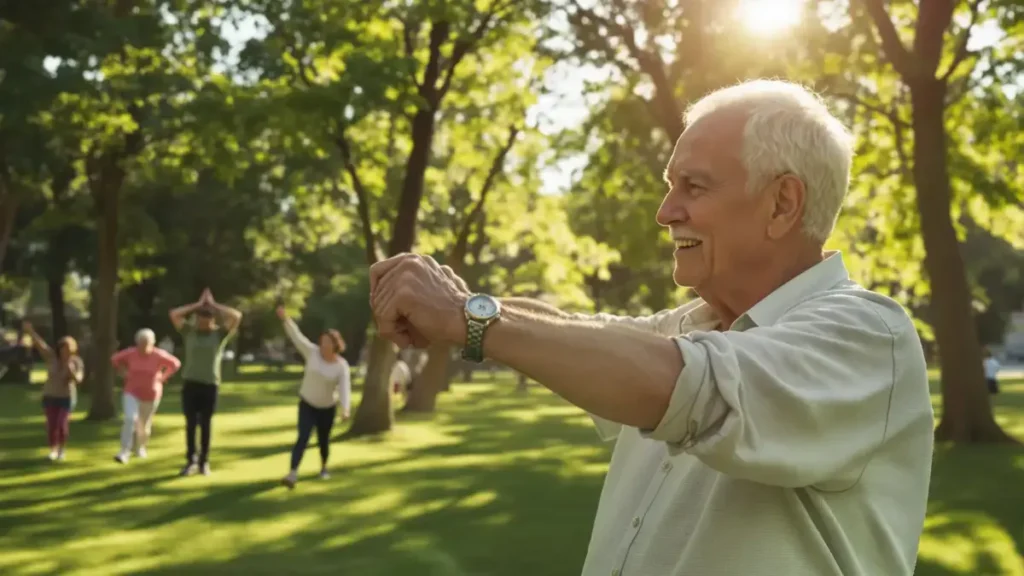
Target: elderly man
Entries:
(780, 424)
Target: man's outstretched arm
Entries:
(612, 371)
(622, 375)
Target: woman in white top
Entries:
(991, 372)
(325, 384)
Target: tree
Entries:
(372, 84)
(967, 411)
(434, 377)
(131, 76)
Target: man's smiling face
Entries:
(718, 225)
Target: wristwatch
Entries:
(481, 311)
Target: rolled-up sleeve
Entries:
(792, 404)
(665, 322)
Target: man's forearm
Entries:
(228, 311)
(625, 376)
(534, 306)
(181, 311)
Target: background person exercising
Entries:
(205, 340)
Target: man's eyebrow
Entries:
(699, 175)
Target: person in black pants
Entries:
(325, 385)
(205, 341)
(198, 403)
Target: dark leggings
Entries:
(198, 402)
(323, 419)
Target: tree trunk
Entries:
(428, 384)
(524, 382)
(356, 341)
(57, 269)
(102, 384)
(412, 188)
(966, 407)
(8, 210)
(374, 414)
(55, 292)
(145, 303)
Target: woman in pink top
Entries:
(144, 368)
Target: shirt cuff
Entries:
(606, 429)
(680, 425)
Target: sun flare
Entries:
(767, 17)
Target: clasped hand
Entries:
(416, 301)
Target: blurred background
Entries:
(271, 150)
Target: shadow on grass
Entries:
(496, 483)
(975, 489)
(474, 526)
(416, 511)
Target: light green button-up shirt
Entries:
(796, 443)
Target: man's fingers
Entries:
(380, 269)
(386, 312)
(386, 291)
(451, 275)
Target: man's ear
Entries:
(788, 197)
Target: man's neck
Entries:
(729, 303)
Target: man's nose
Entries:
(672, 211)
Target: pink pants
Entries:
(58, 416)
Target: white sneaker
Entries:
(290, 479)
(141, 452)
(53, 455)
(325, 475)
(122, 458)
(60, 455)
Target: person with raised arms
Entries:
(64, 372)
(205, 340)
(326, 384)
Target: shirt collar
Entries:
(822, 276)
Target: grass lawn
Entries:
(496, 484)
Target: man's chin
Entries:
(684, 280)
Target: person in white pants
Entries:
(144, 368)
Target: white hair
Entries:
(789, 129)
(145, 335)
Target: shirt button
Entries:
(636, 521)
(666, 466)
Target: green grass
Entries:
(496, 484)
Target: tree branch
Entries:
(900, 58)
(428, 88)
(410, 31)
(579, 21)
(461, 245)
(307, 78)
(959, 89)
(888, 113)
(906, 167)
(373, 254)
(962, 52)
(463, 46)
(664, 106)
(409, 36)
(933, 19)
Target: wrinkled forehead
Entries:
(711, 146)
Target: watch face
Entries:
(482, 307)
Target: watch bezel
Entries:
(476, 317)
